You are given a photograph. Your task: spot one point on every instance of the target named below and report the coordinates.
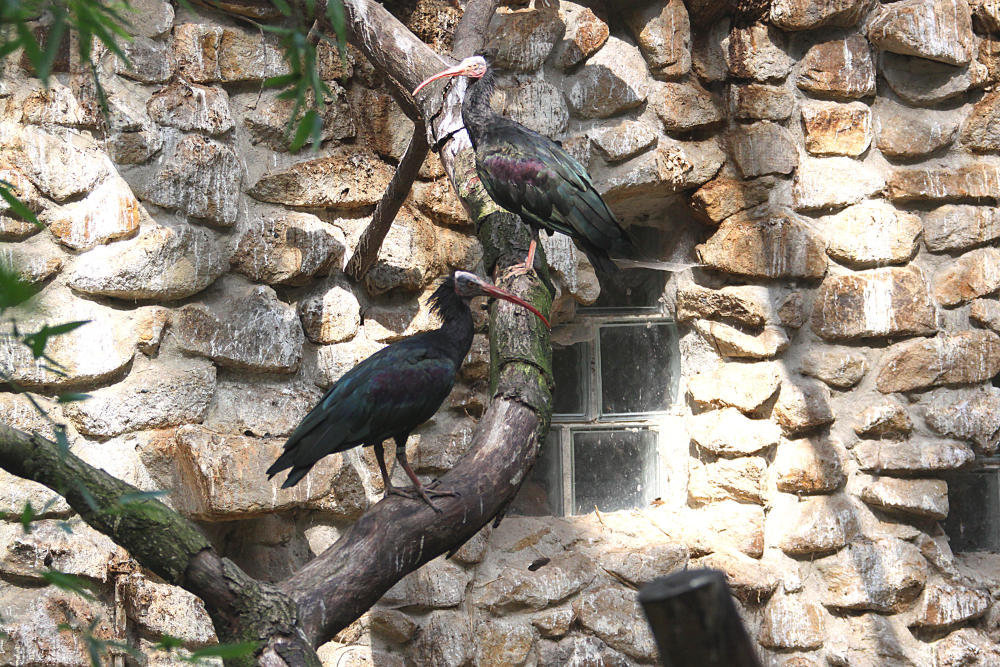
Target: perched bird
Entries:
(393, 391)
(531, 176)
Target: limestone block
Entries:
(807, 15)
(974, 274)
(813, 525)
(61, 164)
(722, 197)
(613, 614)
(392, 625)
(792, 622)
(727, 479)
(803, 405)
(347, 179)
(259, 405)
(986, 312)
(108, 213)
(82, 552)
(775, 246)
(161, 609)
(762, 148)
(33, 261)
(744, 386)
(809, 465)
(839, 68)
(882, 575)
(933, 29)
(519, 588)
(267, 122)
(585, 34)
(969, 414)
(871, 234)
(751, 581)
(641, 567)
(57, 105)
(708, 52)
(741, 304)
(445, 639)
(663, 32)
(685, 107)
(623, 141)
(579, 650)
(760, 101)
(960, 227)
(833, 182)
(725, 526)
(288, 248)
(920, 498)
(438, 201)
(878, 302)
(756, 52)
(839, 367)
(521, 40)
(503, 642)
(964, 357)
(149, 60)
(914, 455)
(923, 82)
(437, 585)
(727, 432)
(673, 166)
(887, 419)
(972, 181)
(732, 343)
(192, 108)
(554, 622)
(613, 80)
(536, 104)
(837, 129)
(966, 647)
(330, 314)
(908, 133)
(31, 625)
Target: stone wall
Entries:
(833, 168)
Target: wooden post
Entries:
(695, 621)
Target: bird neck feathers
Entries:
(476, 109)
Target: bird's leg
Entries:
(418, 488)
(380, 457)
(529, 262)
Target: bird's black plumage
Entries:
(530, 175)
(388, 394)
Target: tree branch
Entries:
(470, 34)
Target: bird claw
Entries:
(425, 493)
(519, 270)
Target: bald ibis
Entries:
(531, 176)
(393, 391)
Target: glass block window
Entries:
(974, 507)
(616, 370)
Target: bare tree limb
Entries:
(470, 34)
(366, 252)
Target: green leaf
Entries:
(27, 516)
(282, 7)
(335, 13)
(168, 643)
(224, 651)
(38, 340)
(311, 124)
(72, 397)
(13, 289)
(69, 583)
(16, 205)
(280, 81)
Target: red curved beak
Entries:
(493, 290)
(457, 70)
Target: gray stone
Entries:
(879, 302)
(640, 568)
(933, 29)
(259, 405)
(437, 585)
(248, 329)
(922, 82)
(580, 650)
(839, 68)
(732, 343)
(792, 622)
(887, 419)
(974, 274)
(673, 166)
(554, 622)
(612, 81)
(330, 314)
(288, 248)
(914, 455)
(191, 107)
(986, 312)
(623, 141)
(762, 148)
(33, 261)
(200, 177)
(151, 18)
(966, 646)
(760, 101)
(57, 105)
(517, 588)
(777, 245)
(963, 357)
(520, 41)
(108, 213)
(882, 575)
(969, 414)
(149, 60)
(32, 620)
(347, 179)
(871, 234)
(11, 228)
(163, 263)
(386, 130)
(685, 107)
(267, 122)
(960, 227)
(154, 395)
(614, 616)
(813, 525)
(920, 498)
(708, 52)
(445, 639)
(751, 581)
(807, 15)
(161, 609)
(907, 133)
(747, 305)
(756, 52)
(538, 105)
(62, 164)
(392, 625)
(809, 465)
(727, 527)
(663, 32)
(71, 547)
(837, 129)
(981, 131)
(833, 182)
(747, 387)
(727, 432)
(839, 367)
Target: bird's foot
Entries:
(519, 270)
(424, 493)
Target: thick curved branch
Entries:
(163, 541)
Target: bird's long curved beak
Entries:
(494, 291)
(457, 70)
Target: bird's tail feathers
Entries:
(654, 264)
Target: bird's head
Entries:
(468, 286)
(474, 67)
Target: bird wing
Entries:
(528, 174)
(389, 393)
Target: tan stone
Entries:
(872, 234)
(970, 414)
(438, 201)
(641, 567)
(149, 60)
(750, 580)
(554, 622)
(56, 105)
(762, 148)
(664, 36)
(386, 129)
(745, 305)
(960, 227)
(708, 57)
(943, 604)
(267, 122)
(160, 263)
(76, 550)
(727, 432)
(110, 212)
(585, 34)
(503, 642)
(756, 52)
(722, 197)
(32, 625)
(60, 164)
(964, 357)
(966, 647)
(887, 419)
(623, 141)
(905, 132)
(760, 101)
(879, 302)
(747, 387)
(806, 15)
(809, 465)
(519, 588)
(839, 367)
(776, 246)
(923, 82)
(161, 609)
(725, 526)
(288, 248)
(933, 29)
(347, 179)
(974, 274)
(613, 80)
(259, 405)
(921, 498)
(33, 261)
(392, 625)
(837, 129)
(914, 455)
(840, 68)
(981, 131)
(833, 182)
(732, 343)
(882, 575)
(986, 312)
(330, 315)
(673, 166)
(685, 107)
(792, 622)
(813, 525)
(727, 479)
(437, 585)
(191, 107)
(446, 638)
(613, 614)
(521, 40)
(803, 405)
